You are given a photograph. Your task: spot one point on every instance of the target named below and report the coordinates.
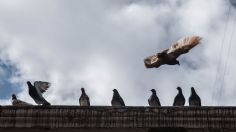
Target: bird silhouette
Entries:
(84, 99)
(179, 98)
(17, 102)
(169, 56)
(116, 99)
(153, 99)
(37, 90)
(194, 99)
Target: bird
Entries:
(37, 90)
(169, 56)
(17, 102)
(153, 99)
(179, 98)
(116, 99)
(84, 99)
(194, 99)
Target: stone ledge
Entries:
(106, 117)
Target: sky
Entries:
(101, 45)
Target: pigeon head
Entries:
(13, 96)
(82, 89)
(179, 89)
(115, 91)
(193, 90)
(153, 91)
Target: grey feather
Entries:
(116, 99)
(17, 102)
(194, 99)
(84, 99)
(153, 99)
(36, 94)
(179, 98)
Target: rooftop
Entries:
(107, 117)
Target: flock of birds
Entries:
(168, 56)
(153, 101)
(40, 87)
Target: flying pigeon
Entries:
(153, 99)
(116, 99)
(169, 56)
(17, 102)
(194, 99)
(179, 98)
(37, 90)
(84, 99)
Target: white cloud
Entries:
(101, 46)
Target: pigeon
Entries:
(194, 99)
(179, 98)
(37, 90)
(116, 99)
(169, 56)
(84, 99)
(153, 99)
(17, 102)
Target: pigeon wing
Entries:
(88, 100)
(84, 100)
(155, 60)
(42, 86)
(122, 102)
(183, 45)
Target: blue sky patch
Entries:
(7, 88)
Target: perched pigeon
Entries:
(17, 102)
(179, 98)
(153, 99)
(116, 99)
(194, 99)
(37, 90)
(84, 99)
(170, 55)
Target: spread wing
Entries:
(42, 86)
(183, 45)
(155, 60)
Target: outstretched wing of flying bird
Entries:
(42, 86)
(152, 61)
(155, 60)
(183, 45)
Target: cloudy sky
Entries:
(100, 45)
